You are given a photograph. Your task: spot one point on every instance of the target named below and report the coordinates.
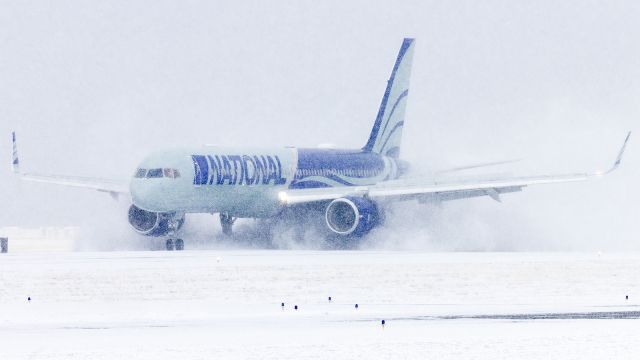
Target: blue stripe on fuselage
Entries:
(237, 170)
(333, 165)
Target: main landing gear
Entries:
(227, 221)
(175, 244)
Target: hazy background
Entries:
(92, 87)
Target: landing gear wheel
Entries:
(227, 221)
(179, 244)
(170, 245)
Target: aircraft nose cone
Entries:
(143, 194)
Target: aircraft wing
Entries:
(439, 190)
(113, 187)
(107, 185)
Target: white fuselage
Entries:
(245, 182)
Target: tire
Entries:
(179, 244)
(170, 245)
(226, 221)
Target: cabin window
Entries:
(154, 173)
(140, 173)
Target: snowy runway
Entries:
(226, 304)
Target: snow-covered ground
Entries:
(226, 304)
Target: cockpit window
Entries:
(171, 173)
(140, 173)
(157, 173)
(154, 173)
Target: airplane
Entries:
(344, 190)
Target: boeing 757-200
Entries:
(346, 189)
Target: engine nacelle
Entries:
(154, 224)
(353, 216)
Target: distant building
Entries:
(48, 238)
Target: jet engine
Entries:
(152, 223)
(352, 216)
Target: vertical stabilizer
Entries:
(15, 163)
(386, 134)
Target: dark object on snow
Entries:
(29, 298)
(296, 307)
(626, 297)
(329, 298)
(4, 245)
(382, 322)
(282, 304)
(356, 306)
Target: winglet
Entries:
(15, 162)
(620, 154)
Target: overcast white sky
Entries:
(91, 87)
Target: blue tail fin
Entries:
(386, 134)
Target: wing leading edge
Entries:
(113, 187)
(440, 190)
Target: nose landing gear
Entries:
(174, 224)
(174, 244)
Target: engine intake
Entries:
(352, 216)
(153, 223)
